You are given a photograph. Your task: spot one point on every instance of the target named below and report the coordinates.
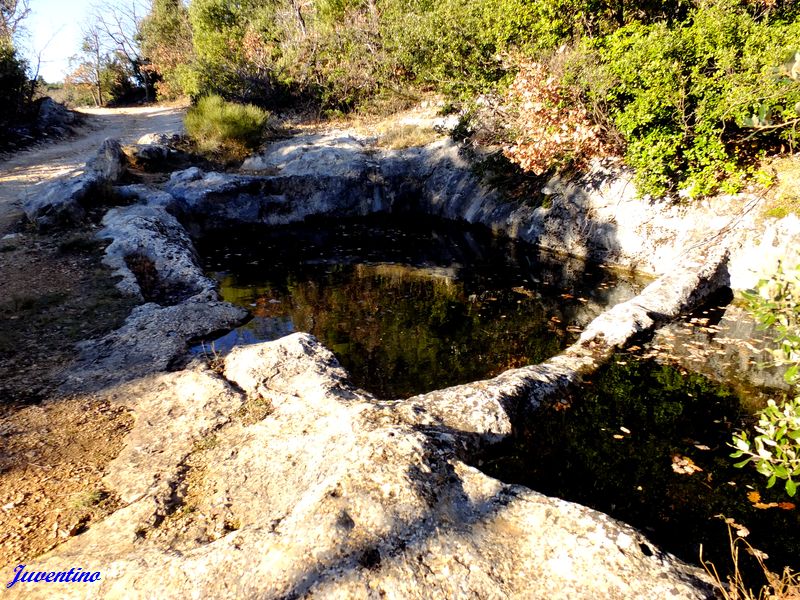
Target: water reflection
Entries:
(723, 342)
(648, 443)
(409, 307)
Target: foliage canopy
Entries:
(692, 92)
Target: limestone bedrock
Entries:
(330, 493)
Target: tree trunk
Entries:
(146, 85)
(619, 13)
(99, 90)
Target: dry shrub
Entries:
(784, 586)
(549, 127)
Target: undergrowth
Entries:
(694, 94)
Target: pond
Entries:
(408, 306)
(646, 441)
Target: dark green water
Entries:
(582, 452)
(409, 307)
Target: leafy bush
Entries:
(775, 303)
(694, 91)
(775, 451)
(694, 100)
(217, 125)
(343, 53)
(446, 45)
(217, 43)
(341, 64)
(14, 85)
(116, 79)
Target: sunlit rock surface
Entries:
(316, 175)
(272, 477)
(277, 479)
(155, 260)
(595, 216)
(150, 235)
(65, 200)
(151, 339)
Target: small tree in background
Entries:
(12, 15)
(119, 26)
(87, 67)
(166, 41)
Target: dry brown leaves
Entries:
(551, 129)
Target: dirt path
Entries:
(54, 292)
(23, 171)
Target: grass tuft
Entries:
(399, 137)
(783, 586)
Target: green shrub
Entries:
(694, 101)
(775, 451)
(775, 303)
(217, 125)
(694, 91)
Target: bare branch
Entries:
(12, 14)
(119, 24)
(761, 129)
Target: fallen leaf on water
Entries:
(766, 505)
(683, 465)
(523, 291)
(701, 447)
(561, 405)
